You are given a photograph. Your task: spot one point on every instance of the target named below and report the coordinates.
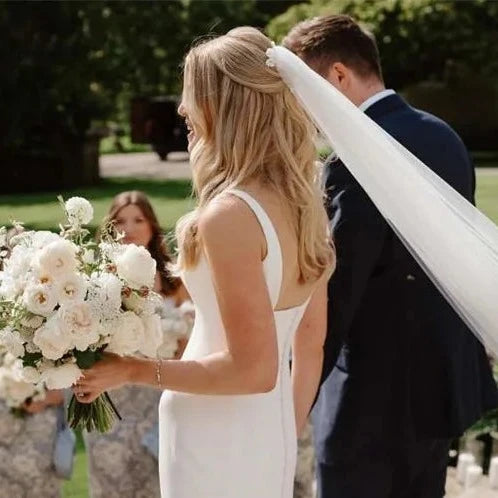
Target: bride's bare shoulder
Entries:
(229, 222)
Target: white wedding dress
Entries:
(231, 446)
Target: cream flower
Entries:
(58, 258)
(61, 377)
(52, 340)
(136, 267)
(78, 320)
(12, 341)
(127, 334)
(39, 299)
(71, 288)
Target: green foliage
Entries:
(70, 64)
(417, 38)
(88, 358)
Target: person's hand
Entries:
(52, 398)
(111, 372)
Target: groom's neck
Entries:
(366, 90)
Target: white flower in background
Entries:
(71, 288)
(136, 267)
(58, 258)
(127, 334)
(40, 299)
(88, 256)
(12, 341)
(31, 375)
(153, 335)
(78, 320)
(61, 377)
(16, 272)
(79, 211)
(168, 347)
(52, 340)
(104, 295)
(32, 322)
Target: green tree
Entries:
(417, 38)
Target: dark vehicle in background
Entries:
(155, 121)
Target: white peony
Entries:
(79, 211)
(104, 295)
(127, 334)
(58, 258)
(61, 377)
(153, 335)
(78, 320)
(71, 288)
(40, 299)
(52, 340)
(136, 267)
(12, 341)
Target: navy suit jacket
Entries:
(400, 365)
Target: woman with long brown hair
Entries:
(122, 462)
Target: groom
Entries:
(402, 374)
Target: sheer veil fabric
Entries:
(455, 244)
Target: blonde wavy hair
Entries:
(250, 126)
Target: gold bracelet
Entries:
(158, 373)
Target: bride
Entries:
(255, 256)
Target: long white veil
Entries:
(455, 244)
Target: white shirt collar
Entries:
(375, 98)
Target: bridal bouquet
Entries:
(15, 391)
(65, 299)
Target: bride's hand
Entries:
(111, 372)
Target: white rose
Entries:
(61, 377)
(71, 288)
(79, 211)
(127, 334)
(136, 267)
(77, 318)
(52, 340)
(40, 299)
(12, 341)
(153, 335)
(58, 258)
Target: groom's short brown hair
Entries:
(336, 38)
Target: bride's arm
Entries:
(234, 245)
(307, 354)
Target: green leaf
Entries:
(30, 359)
(86, 359)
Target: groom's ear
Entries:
(339, 75)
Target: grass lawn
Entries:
(171, 199)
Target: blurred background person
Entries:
(123, 462)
